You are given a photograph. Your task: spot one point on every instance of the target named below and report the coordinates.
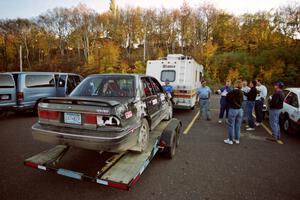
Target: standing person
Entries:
(251, 96)
(245, 89)
(259, 102)
(223, 103)
(203, 93)
(168, 89)
(235, 113)
(275, 105)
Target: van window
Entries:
(33, 81)
(77, 80)
(62, 81)
(6, 81)
(168, 75)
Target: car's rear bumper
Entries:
(116, 142)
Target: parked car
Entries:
(7, 93)
(31, 87)
(290, 114)
(109, 112)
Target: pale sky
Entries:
(32, 8)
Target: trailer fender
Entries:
(169, 139)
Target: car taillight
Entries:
(48, 114)
(90, 118)
(20, 96)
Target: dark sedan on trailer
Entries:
(108, 112)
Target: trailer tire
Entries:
(169, 151)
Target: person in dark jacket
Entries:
(234, 99)
(275, 105)
(251, 96)
(223, 103)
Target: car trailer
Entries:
(120, 170)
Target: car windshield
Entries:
(105, 86)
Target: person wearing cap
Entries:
(223, 103)
(235, 113)
(203, 93)
(275, 105)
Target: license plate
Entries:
(72, 118)
(5, 97)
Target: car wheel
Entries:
(286, 124)
(143, 137)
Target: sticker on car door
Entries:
(154, 101)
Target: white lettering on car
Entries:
(103, 112)
(154, 101)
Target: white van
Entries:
(183, 73)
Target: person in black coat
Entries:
(251, 95)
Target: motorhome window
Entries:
(200, 76)
(33, 81)
(168, 75)
(6, 81)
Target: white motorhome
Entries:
(183, 73)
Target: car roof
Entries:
(295, 90)
(119, 74)
(41, 73)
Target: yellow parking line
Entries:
(191, 123)
(269, 131)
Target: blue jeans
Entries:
(235, 117)
(250, 106)
(259, 110)
(244, 107)
(223, 108)
(274, 122)
(204, 108)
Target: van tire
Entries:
(36, 106)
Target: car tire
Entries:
(143, 136)
(286, 125)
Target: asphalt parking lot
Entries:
(204, 167)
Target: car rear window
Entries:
(168, 75)
(34, 81)
(106, 86)
(6, 81)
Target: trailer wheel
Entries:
(169, 151)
